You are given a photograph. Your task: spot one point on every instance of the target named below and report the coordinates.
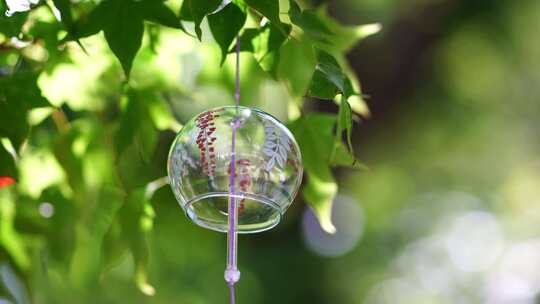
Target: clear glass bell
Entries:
(268, 168)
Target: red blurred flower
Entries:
(6, 181)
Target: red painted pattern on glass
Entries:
(244, 180)
(205, 141)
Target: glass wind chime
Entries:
(235, 169)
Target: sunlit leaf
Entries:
(320, 194)
(313, 133)
(10, 239)
(326, 32)
(297, 63)
(265, 44)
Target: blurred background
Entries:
(448, 211)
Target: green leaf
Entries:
(185, 12)
(314, 135)
(269, 9)
(329, 73)
(10, 240)
(344, 123)
(320, 193)
(349, 36)
(122, 23)
(326, 32)
(225, 25)
(329, 80)
(13, 118)
(18, 94)
(156, 11)
(61, 229)
(136, 127)
(64, 6)
(11, 26)
(311, 23)
(137, 218)
(94, 22)
(161, 114)
(124, 32)
(196, 10)
(71, 159)
(86, 260)
(265, 44)
(297, 59)
(7, 163)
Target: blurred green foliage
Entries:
(449, 206)
(91, 94)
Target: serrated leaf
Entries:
(225, 26)
(196, 10)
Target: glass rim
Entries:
(240, 195)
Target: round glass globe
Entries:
(268, 168)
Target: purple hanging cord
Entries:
(232, 274)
